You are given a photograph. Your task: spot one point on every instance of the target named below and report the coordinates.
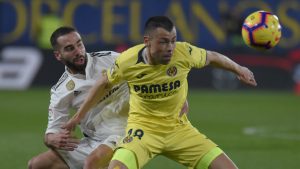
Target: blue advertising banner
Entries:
(209, 24)
(117, 24)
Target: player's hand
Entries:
(71, 124)
(246, 76)
(184, 109)
(62, 140)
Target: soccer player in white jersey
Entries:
(156, 73)
(106, 122)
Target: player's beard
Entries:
(163, 59)
(76, 68)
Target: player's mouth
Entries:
(167, 57)
(79, 60)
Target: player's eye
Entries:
(164, 42)
(69, 48)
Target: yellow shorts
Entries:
(183, 143)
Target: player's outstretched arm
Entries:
(95, 94)
(221, 61)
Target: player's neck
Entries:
(148, 57)
(72, 71)
(144, 54)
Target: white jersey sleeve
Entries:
(59, 105)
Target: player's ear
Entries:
(147, 41)
(57, 55)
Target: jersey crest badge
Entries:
(70, 85)
(172, 71)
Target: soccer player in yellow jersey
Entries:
(156, 73)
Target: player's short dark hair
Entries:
(158, 22)
(60, 32)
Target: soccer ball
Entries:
(261, 30)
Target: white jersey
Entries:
(109, 117)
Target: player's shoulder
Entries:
(65, 83)
(61, 93)
(103, 54)
(183, 46)
(131, 55)
(102, 57)
(187, 48)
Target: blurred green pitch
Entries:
(257, 129)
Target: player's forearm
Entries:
(95, 94)
(218, 60)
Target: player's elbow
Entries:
(212, 58)
(29, 164)
(32, 163)
(47, 140)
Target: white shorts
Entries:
(75, 159)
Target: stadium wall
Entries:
(117, 24)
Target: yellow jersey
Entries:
(156, 91)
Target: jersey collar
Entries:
(141, 56)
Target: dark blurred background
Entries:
(26, 58)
